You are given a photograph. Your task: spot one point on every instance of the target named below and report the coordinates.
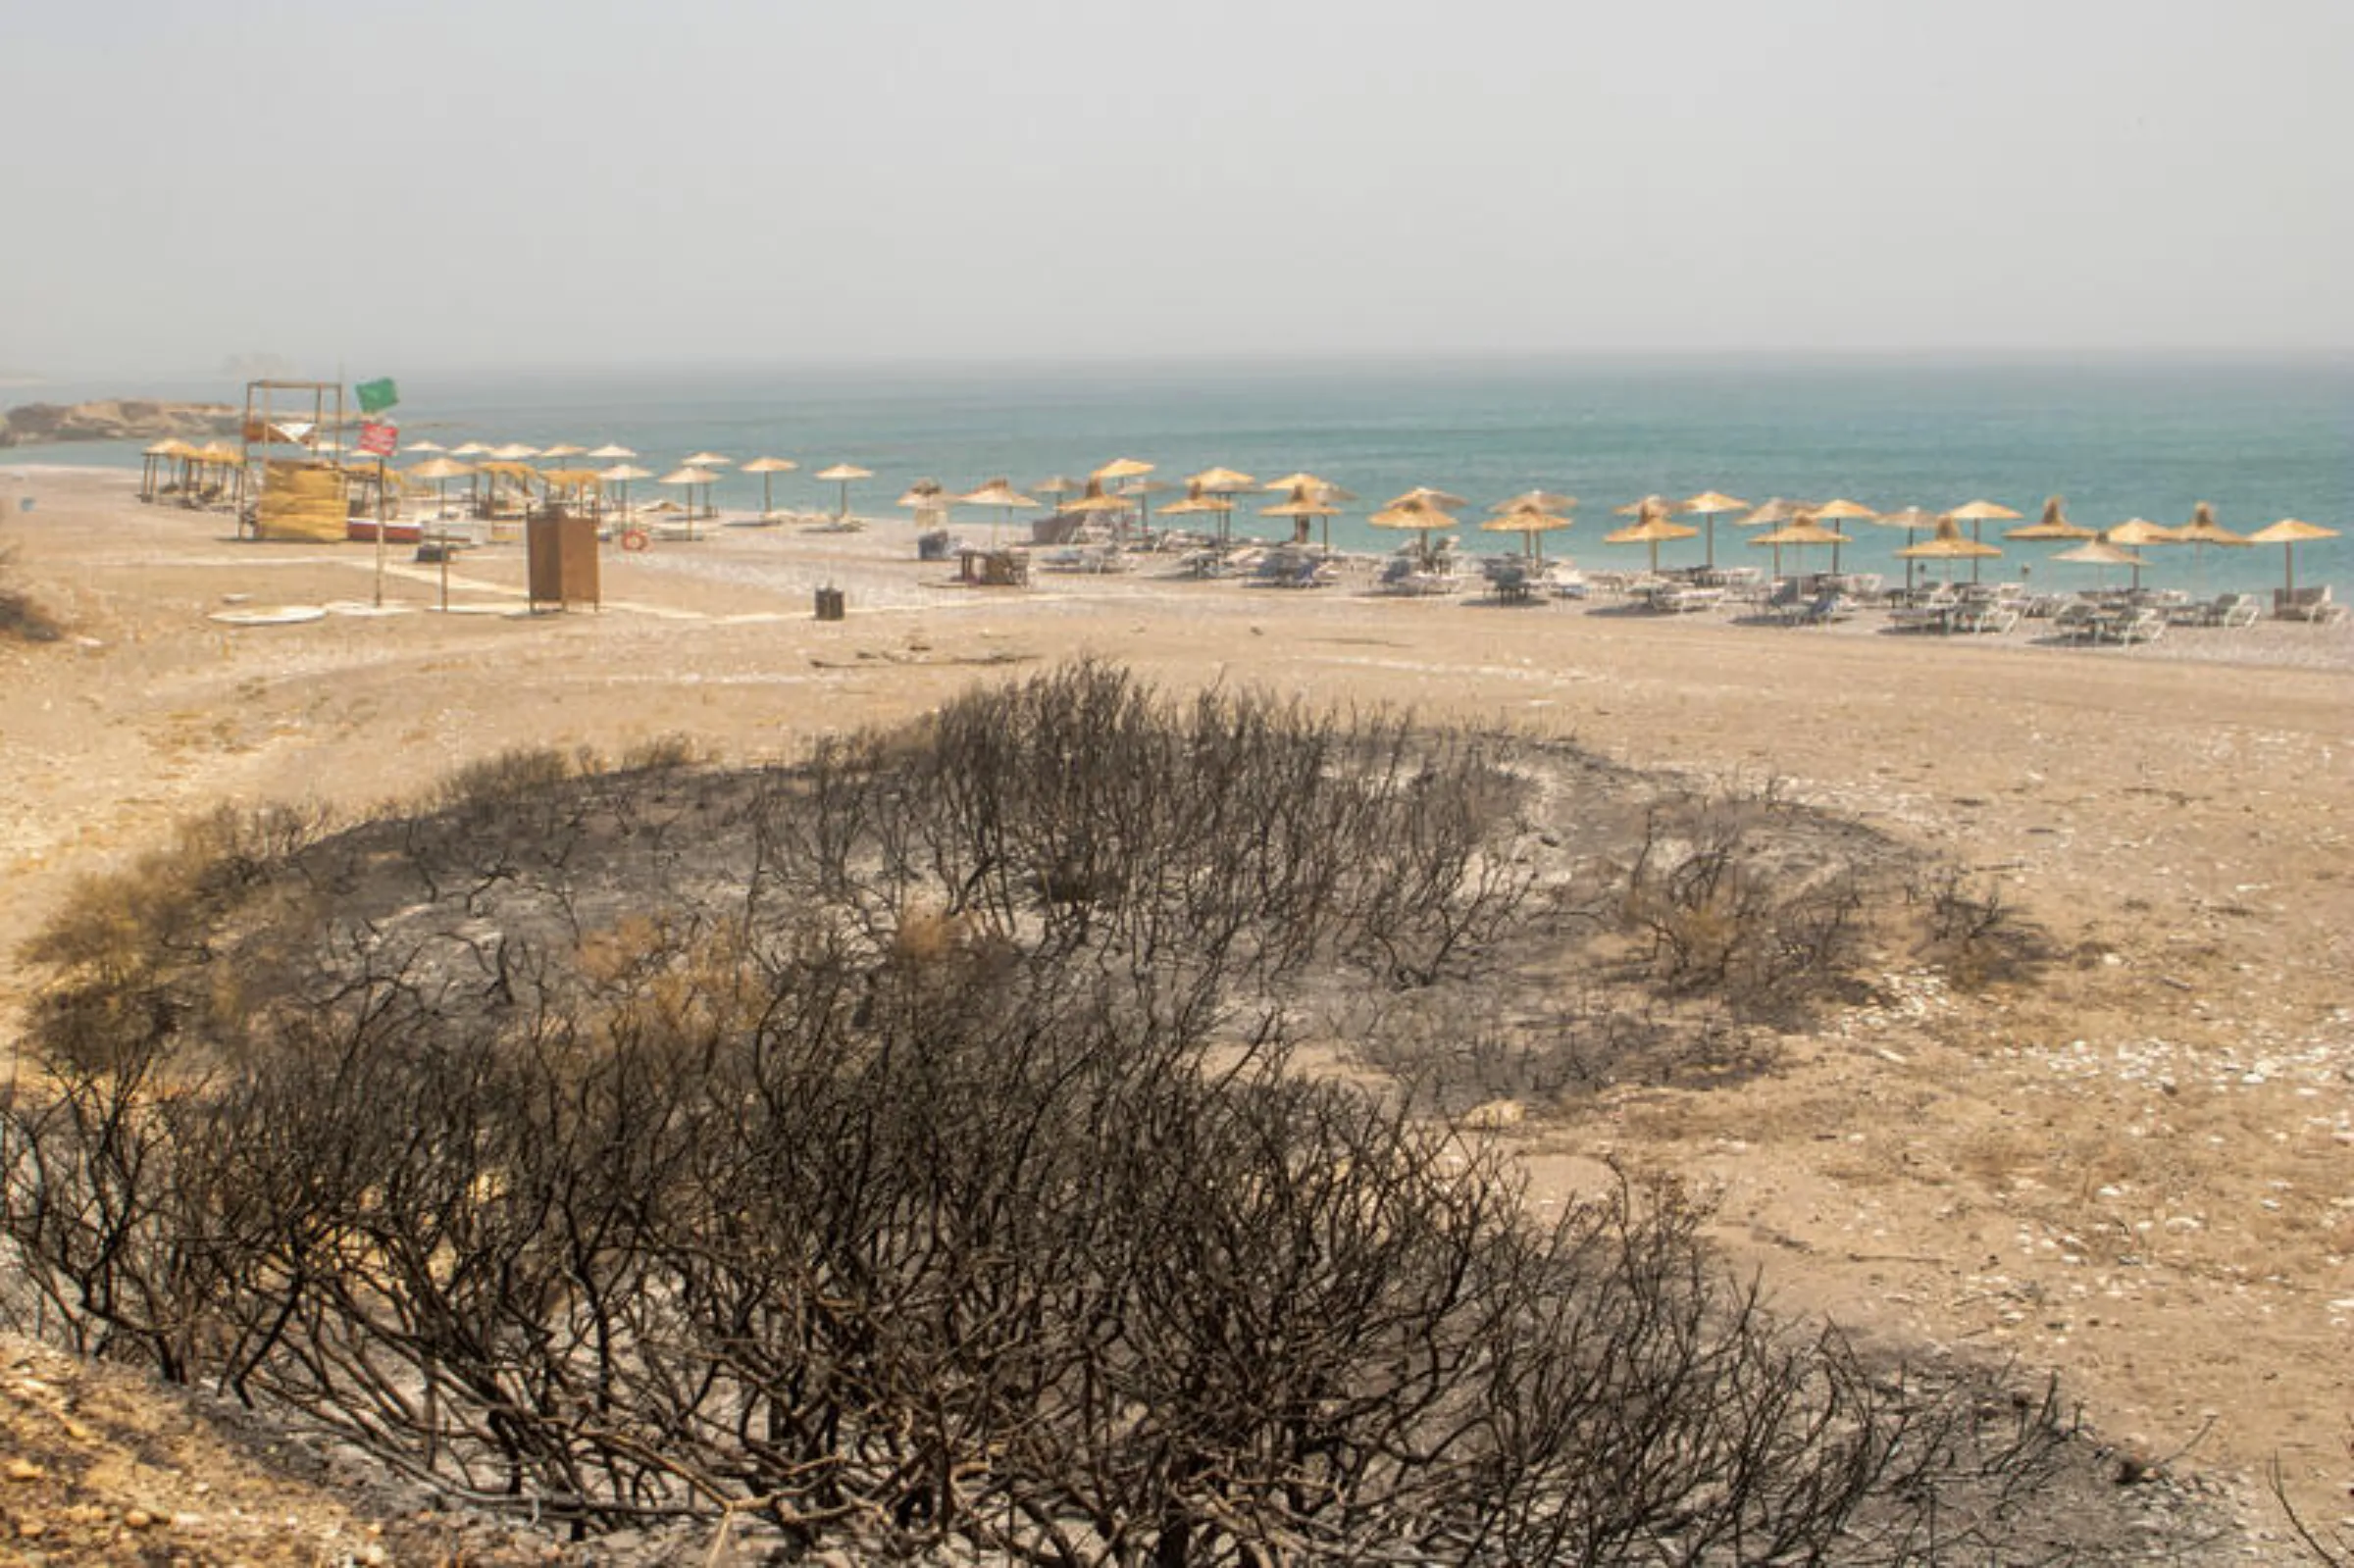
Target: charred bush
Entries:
(908, 1147)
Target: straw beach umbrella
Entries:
(1706, 506)
(1914, 520)
(690, 476)
(2052, 525)
(2097, 551)
(2202, 530)
(440, 470)
(707, 460)
(767, 468)
(1303, 502)
(620, 474)
(1424, 495)
(2136, 532)
(1947, 544)
(2289, 534)
(1842, 511)
(1197, 500)
(1977, 514)
(1412, 510)
(1093, 501)
(1799, 532)
(843, 473)
(996, 493)
(1651, 527)
(1115, 475)
(423, 447)
(1534, 501)
(1142, 492)
(1298, 480)
(1058, 485)
(1531, 523)
(1222, 482)
(612, 452)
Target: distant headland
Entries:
(115, 420)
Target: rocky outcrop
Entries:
(116, 420)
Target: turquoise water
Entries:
(2261, 440)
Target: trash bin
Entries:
(829, 604)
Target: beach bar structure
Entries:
(294, 494)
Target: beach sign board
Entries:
(379, 438)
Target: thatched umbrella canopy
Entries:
(1915, 520)
(1122, 467)
(843, 473)
(1977, 514)
(707, 460)
(620, 474)
(1651, 527)
(2202, 530)
(2052, 525)
(440, 470)
(689, 476)
(1142, 492)
(768, 467)
(1531, 523)
(172, 449)
(996, 493)
(1424, 495)
(1535, 501)
(1412, 510)
(1296, 480)
(2289, 534)
(2139, 530)
(1840, 511)
(1199, 499)
(1094, 502)
(612, 452)
(2097, 551)
(1058, 485)
(1948, 546)
(1801, 531)
(1708, 505)
(1222, 481)
(1302, 502)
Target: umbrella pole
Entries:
(379, 533)
(1974, 526)
(1710, 559)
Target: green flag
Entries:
(377, 396)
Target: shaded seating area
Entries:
(2308, 604)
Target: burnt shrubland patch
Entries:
(910, 1146)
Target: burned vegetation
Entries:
(912, 1147)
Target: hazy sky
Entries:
(403, 185)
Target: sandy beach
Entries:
(2135, 1174)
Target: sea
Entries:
(2259, 439)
